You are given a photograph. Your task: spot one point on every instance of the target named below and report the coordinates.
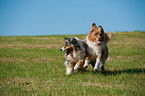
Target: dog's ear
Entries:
(73, 41)
(65, 38)
(94, 24)
(101, 30)
(93, 27)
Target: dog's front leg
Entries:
(69, 68)
(86, 62)
(97, 65)
(78, 65)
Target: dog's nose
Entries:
(60, 49)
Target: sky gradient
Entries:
(47, 17)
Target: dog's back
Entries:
(80, 51)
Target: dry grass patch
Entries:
(41, 60)
(109, 85)
(133, 57)
(31, 46)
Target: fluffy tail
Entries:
(108, 36)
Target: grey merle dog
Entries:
(75, 53)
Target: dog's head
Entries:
(70, 45)
(98, 35)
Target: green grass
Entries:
(33, 65)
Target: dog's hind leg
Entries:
(79, 64)
(103, 58)
(102, 64)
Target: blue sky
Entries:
(46, 17)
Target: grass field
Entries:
(33, 65)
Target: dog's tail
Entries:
(108, 36)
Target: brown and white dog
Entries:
(97, 50)
(75, 54)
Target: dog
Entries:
(97, 50)
(75, 53)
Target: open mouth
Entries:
(97, 42)
(67, 52)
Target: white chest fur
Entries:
(93, 48)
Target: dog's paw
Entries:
(102, 68)
(69, 71)
(85, 66)
(96, 70)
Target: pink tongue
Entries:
(65, 55)
(97, 42)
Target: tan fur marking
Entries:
(67, 47)
(87, 58)
(70, 47)
(93, 35)
(71, 65)
(80, 63)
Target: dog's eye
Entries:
(65, 43)
(96, 33)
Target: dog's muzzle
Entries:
(97, 42)
(62, 49)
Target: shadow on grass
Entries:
(113, 72)
(128, 71)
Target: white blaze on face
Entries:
(62, 49)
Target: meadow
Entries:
(34, 65)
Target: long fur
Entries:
(97, 50)
(75, 54)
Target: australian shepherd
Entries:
(97, 50)
(75, 53)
